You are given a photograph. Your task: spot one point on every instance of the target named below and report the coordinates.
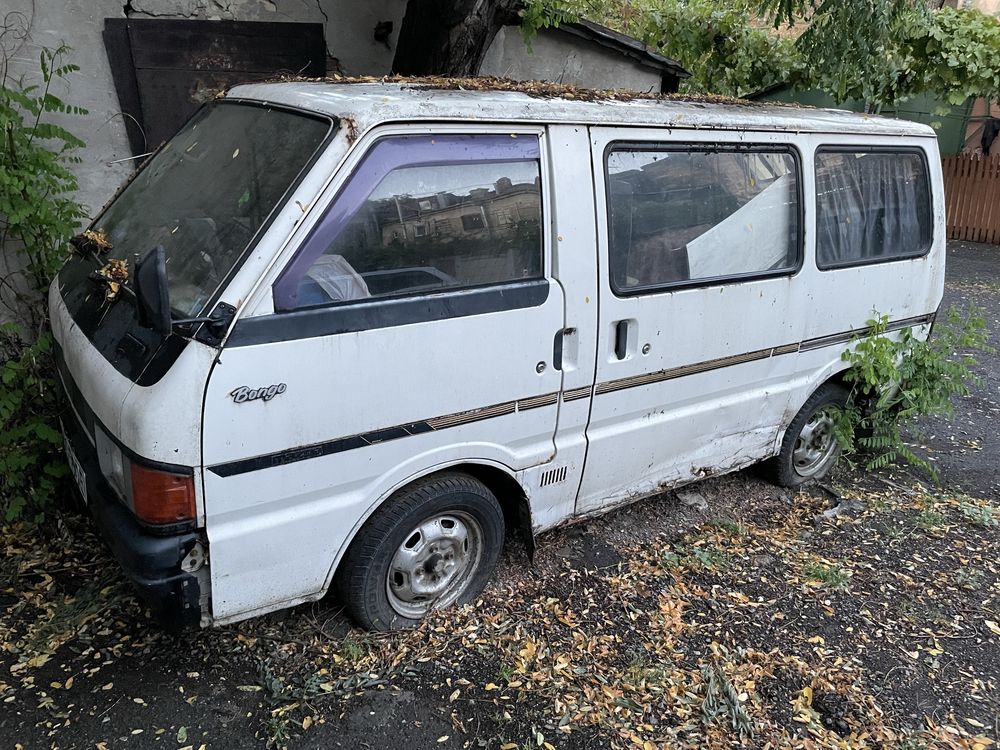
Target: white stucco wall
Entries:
(79, 24)
(563, 58)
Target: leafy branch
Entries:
(38, 216)
(876, 51)
(896, 380)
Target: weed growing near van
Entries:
(31, 466)
(37, 218)
(895, 380)
(38, 215)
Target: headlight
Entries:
(155, 496)
(114, 466)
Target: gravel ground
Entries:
(964, 446)
(757, 622)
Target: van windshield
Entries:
(208, 192)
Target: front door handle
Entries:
(565, 349)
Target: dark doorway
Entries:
(165, 69)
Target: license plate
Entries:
(76, 469)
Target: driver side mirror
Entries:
(152, 293)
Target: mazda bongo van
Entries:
(348, 334)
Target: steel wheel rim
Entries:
(434, 564)
(815, 445)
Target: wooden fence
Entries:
(972, 197)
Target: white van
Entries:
(370, 327)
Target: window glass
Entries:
(429, 228)
(206, 194)
(678, 217)
(871, 207)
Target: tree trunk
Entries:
(450, 37)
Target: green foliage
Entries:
(930, 520)
(37, 212)
(721, 44)
(38, 216)
(31, 463)
(851, 48)
(969, 579)
(876, 51)
(984, 516)
(896, 379)
(719, 41)
(957, 55)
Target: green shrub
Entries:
(38, 216)
(896, 380)
(38, 213)
(31, 462)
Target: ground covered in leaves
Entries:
(859, 618)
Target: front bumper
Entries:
(152, 563)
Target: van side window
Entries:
(871, 206)
(425, 214)
(693, 214)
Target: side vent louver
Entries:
(552, 476)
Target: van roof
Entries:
(370, 102)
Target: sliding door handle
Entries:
(621, 338)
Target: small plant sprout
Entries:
(829, 576)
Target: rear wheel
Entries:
(433, 544)
(810, 448)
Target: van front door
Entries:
(412, 330)
(699, 238)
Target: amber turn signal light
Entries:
(162, 497)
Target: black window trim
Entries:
(544, 244)
(708, 147)
(875, 149)
(355, 316)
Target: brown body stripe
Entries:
(819, 342)
(302, 453)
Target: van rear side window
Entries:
(871, 206)
(699, 215)
(423, 214)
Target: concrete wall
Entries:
(79, 24)
(564, 58)
(34, 24)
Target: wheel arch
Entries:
(834, 371)
(498, 478)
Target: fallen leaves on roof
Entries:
(537, 89)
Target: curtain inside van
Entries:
(870, 206)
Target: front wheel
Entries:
(810, 448)
(433, 544)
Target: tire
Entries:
(790, 468)
(432, 544)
